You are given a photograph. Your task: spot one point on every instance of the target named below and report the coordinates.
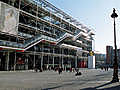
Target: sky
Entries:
(95, 14)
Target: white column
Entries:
(26, 63)
(42, 58)
(53, 59)
(15, 62)
(34, 60)
(76, 61)
(53, 62)
(48, 60)
(7, 58)
(62, 59)
(91, 62)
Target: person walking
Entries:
(59, 70)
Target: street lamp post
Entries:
(115, 65)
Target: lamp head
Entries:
(114, 15)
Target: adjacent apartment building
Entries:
(110, 56)
(100, 59)
(36, 33)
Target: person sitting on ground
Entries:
(77, 72)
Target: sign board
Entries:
(91, 53)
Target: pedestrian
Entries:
(101, 67)
(59, 70)
(70, 69)
(35, 69)
(107, 68)
(77, 72)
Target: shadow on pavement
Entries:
(109, 88)
(103, 85)
(112, 88)
(90, 88)
(57, 86)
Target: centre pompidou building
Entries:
(36, 33)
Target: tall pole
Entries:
(115, 65)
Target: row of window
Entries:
(49, 49)
(41, 13)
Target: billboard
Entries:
(9, 17)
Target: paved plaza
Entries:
(91, 79)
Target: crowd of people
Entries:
(106, 68)
(57, 69)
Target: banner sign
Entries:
(9, 19)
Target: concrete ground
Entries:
(91, 79)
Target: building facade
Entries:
(110, 56)
(36, 33)
(100, 59)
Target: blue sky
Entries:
(94, 14)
